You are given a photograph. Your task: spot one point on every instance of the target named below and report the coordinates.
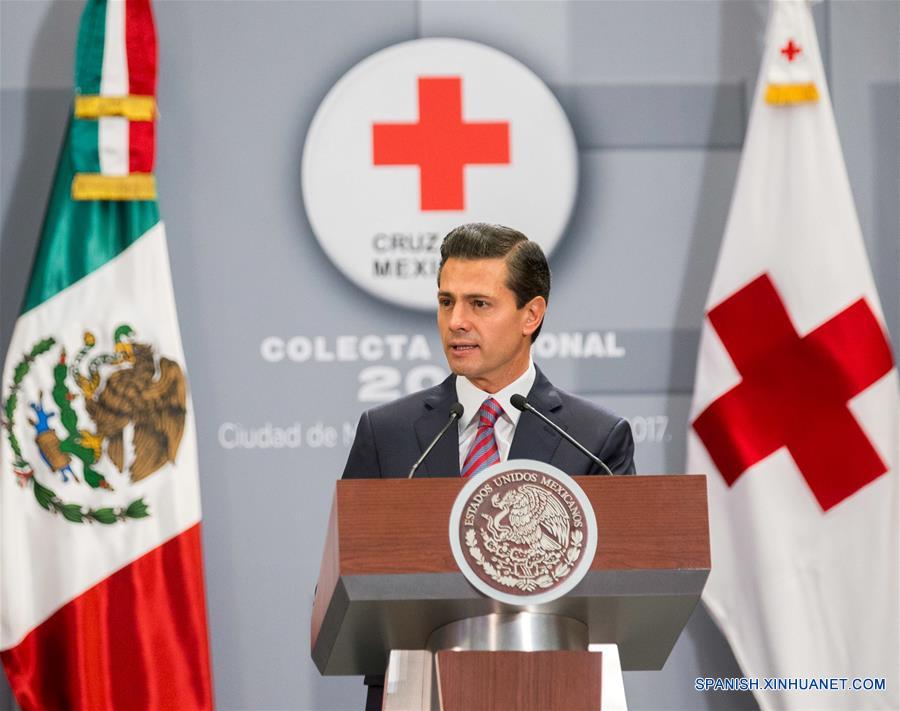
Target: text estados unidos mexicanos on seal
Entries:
(515, 478)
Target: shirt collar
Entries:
(471, 397)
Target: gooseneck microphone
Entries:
(520, 403)
(456, 411)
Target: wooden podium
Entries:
(389, 588)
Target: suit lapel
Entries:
(534, 439)
(444, 458)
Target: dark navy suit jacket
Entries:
(391, 437)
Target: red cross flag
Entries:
(795, 413)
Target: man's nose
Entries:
(459, 318)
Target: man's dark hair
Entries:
(528, 274)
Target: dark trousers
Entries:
(374, 697)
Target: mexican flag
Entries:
(102, 601)
(795, 417)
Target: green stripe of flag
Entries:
(80, 236)
(89, 55)
(85, 145)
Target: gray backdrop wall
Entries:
(658, 94)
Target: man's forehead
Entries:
(463, 274)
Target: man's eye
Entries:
(480, 303)
(444, 303)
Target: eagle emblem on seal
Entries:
(535, 519)
(126, 408)
(527, 541)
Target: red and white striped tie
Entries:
(484, 450)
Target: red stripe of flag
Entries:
(140, 48)
(136, 640)
(141, 146)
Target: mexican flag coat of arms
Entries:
(101, 584)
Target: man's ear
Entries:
(534, 315)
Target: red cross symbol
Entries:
(794, 392)
(790, 50)
(441, 144)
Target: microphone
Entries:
(520, 403)
(456, 411)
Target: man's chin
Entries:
(458, 369)
(467, 370)
(463, 362)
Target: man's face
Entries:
(486, 338)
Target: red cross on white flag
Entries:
(795, 414)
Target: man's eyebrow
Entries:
(464, 296)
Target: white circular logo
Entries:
(523, 532)
(424, 136)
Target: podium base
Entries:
(518, 681)
(520, 661)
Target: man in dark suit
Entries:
(493, 288)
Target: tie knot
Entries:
(489, 412)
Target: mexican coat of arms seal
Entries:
(93, 422)
(523, 532)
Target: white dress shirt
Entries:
(471, 398)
